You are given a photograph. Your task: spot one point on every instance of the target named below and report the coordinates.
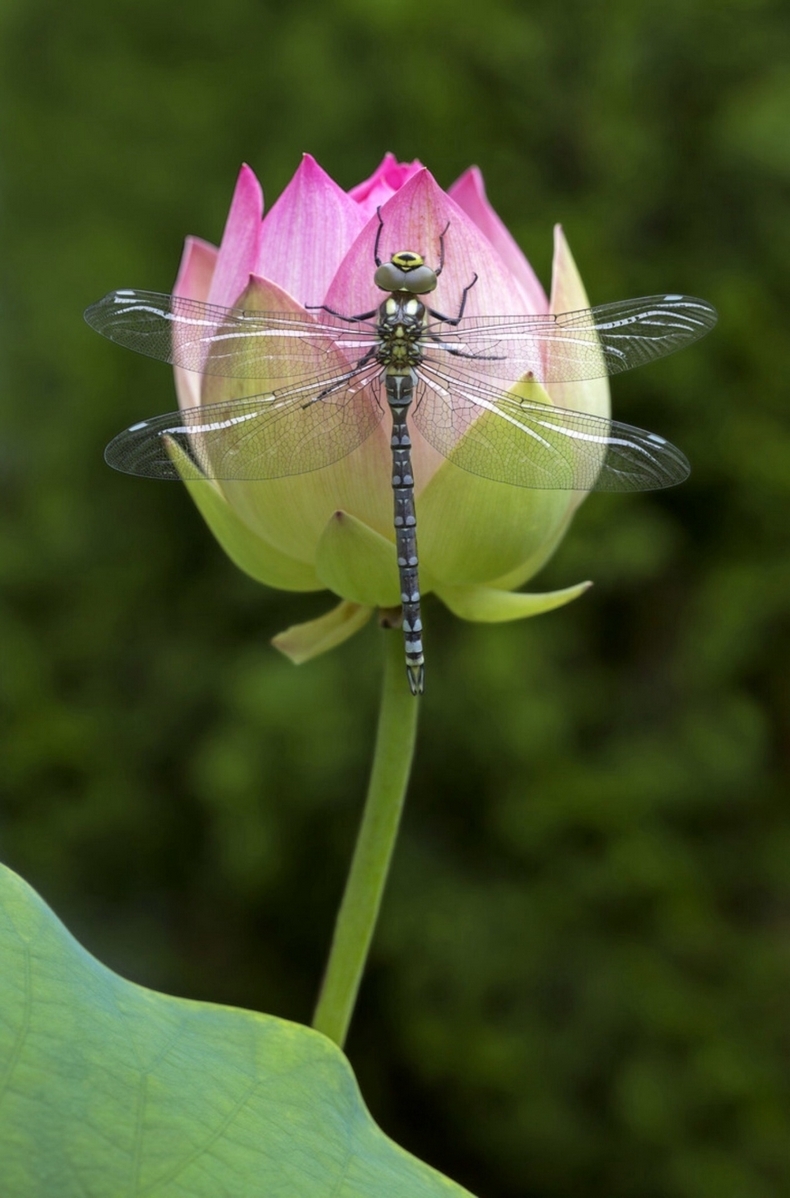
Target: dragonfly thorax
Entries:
(406, 271)
(400, 328)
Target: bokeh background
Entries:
(580, 984)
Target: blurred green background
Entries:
(580, 984)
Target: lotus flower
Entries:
(332, 528)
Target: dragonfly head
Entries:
(405, 271)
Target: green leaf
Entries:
(108, 1089)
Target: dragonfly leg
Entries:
(341, 315)
(440, 267)
(462, 353)
(379, 231)
(337, 383)
(464, 294)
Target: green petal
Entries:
(290, 509)
(527, 569)
(568, 294)
(354, 561)
(489, 606)
(471, 531)
(245, 548)
(111, 1089)
(301, 642)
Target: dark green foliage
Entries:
(580, 985)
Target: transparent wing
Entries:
(502, 437)
(573, 346)
(226, 341)
(292, 431)
(568, 347)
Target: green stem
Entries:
(359, 909)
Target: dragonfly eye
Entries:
(405, 272)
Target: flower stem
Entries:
(359, 909)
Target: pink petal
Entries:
(387, 178)
(307, 233)
(238, 252)
(193, 282)
(196, 269)
(415, 218)
(470, 194)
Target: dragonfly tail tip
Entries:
(416, 676)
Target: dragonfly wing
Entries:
(572, 346)
(293, 431)
(233, 342)
(500, 436)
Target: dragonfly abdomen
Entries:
(400, 390)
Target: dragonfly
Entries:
(466, 382)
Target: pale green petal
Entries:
(354, 561)
(471, 531)
(516, 578)
(301, 642)
(245, 549)
(569, 295)
(290, 511)
(489, 606)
